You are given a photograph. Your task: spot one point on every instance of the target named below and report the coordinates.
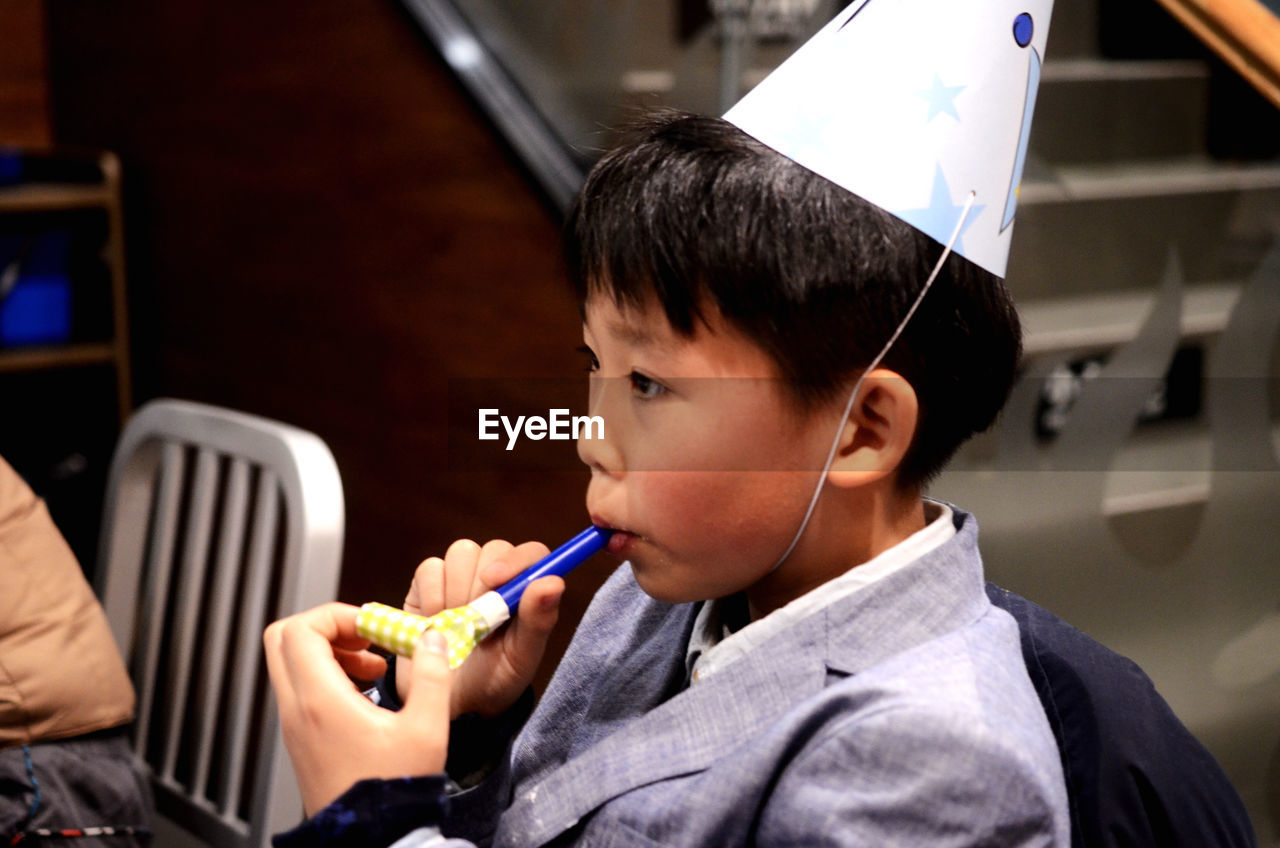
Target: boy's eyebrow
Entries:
(634, 335)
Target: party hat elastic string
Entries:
(875, 363)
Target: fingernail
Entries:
(433, 641)
(551, 601)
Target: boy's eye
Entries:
(593, 364)
(646, 387)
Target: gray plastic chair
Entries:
(215, 524)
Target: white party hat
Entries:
(912, 105)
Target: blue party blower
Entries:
(465, 627)
(559, 562)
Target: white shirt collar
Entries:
(712, 646)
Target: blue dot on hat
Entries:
(1023, 28)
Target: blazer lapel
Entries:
(938, 593)
(681, 735)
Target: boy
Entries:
(767, 668)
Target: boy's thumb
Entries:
(432, 680)
(539, 610)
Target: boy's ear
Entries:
(878, 432)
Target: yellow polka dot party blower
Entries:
(465, 627)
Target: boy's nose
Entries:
(593, 453)
(600, 454)
(601, 451)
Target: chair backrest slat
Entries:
(213, 663)
(164, 534)
(182, 642)
(248, 647)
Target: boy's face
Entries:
(705, 468)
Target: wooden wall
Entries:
(24, 95)
(323, 230)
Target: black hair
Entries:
(692, 210)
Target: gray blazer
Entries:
(899, 716)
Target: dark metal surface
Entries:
(501, 98)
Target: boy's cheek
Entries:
(668, 493)
(678, 507)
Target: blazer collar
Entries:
(687, 732)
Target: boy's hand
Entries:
(334, 735)
(502, 667)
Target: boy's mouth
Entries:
(620, 541)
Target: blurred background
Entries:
(324, 213)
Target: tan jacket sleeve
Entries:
(61, 674)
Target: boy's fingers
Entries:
(334, 622)
(305, 645)
(536, 617)
(460, 563)
(362, 665)
(499, 570)
(428, 702)
(276, 670)
(494, 551)
(426, 592)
